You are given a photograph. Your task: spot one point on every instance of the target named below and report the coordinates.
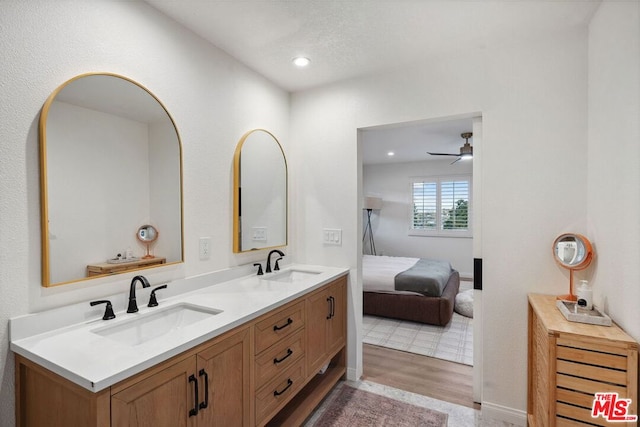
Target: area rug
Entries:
(351, 407)
(453, 342)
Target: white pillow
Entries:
(464, 303)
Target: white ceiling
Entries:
(350, 38)
(411, 141)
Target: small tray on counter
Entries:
(574, 313)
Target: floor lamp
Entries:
(370, 204)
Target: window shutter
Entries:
(425, 205)
(441, 206)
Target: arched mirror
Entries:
(260, 193)
(573, 252)
(110, 160)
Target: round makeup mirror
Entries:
(573, 252)
(147, 234)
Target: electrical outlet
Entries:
(205, 248)
(332, 236)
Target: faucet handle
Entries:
(260, 273)
(277, 267)
(153, 302)
(108, 312)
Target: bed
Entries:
(416, 289)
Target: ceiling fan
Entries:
(466, 151)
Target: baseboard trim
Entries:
(502, 413)
(352, 374)
(466, 277)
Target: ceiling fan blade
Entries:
(458, 159)
(442, 154)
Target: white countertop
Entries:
(96, 362)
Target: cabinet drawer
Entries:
(278, 326)
(279, 357)
(276, 393)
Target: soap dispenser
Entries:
(585, 295)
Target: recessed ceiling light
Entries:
(391, 153)
(301, 61)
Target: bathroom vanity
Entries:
(269, 352)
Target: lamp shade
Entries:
(373, 203)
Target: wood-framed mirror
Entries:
(573, 252)
(110, 160)
(260, 193)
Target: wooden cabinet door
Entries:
(318, 311)
(336, 325)
(161, 400)
(223, 375)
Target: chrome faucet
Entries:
(268, 269)
(133, 306)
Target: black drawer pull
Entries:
(329, 301)
(333, 307)
(289, 353)
(289, 384)
(194, 410)
(204, 404)
(277, 328)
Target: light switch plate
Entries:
(259, 234)
(332, 236)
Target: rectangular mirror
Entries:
(110, 163)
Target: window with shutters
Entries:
(441, 206)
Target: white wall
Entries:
(164, 192)
(92, 219)
(533, 103)
(392, 182)
(614, 156)
(533, 99)
(212, 98)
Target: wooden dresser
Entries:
(568, 362)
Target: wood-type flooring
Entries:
(436, 378)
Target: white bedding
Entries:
(379, 272)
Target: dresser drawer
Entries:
(278, 326)
(279, 357)
(276, 393)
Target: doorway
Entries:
(409, 143)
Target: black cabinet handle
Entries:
(329, 301)
(277, 328)
(206, 389)
(333, 307)
(194, 411)
(289, 353)
(289, 384)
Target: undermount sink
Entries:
(292, 275)
(152, 325)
